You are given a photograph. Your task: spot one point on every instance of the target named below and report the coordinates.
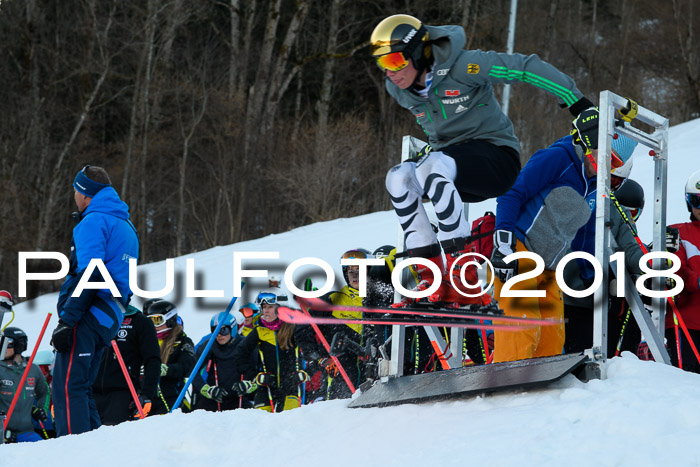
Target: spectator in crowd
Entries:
(88, 322)
(275, 355)
(33, 402)
(176, 354)
(138, 345)
(251, 318)
(687, 244)
(316, 354)
(213, 384)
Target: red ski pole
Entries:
(240, 398)
(128, 379)
(328, 349)
(26, 371)
(216, 381)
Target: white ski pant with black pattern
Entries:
(434, 175)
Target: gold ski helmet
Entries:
(397, 39)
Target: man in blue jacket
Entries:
(88, 322)
(548, 211)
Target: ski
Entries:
(293, 316)
(429, 310)
(290, 315)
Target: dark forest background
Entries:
(226, 120)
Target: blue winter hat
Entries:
(623, 147)
(87, 186)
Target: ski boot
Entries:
(447, 294)
(424, 275)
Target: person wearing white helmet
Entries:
(688, 301)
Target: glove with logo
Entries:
(145, 406)
(673, 240)
(244, 387)
(585, 129)
(214, 393)
(503, 245)
(62, 337)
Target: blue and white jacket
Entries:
(550, 206)
(104, 232)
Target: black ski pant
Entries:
(579, 328)
(113, 406)
(690, 361)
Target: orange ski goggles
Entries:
(394, 61)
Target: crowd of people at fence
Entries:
(255, 360)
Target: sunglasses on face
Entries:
(393, 61)
(10, 343)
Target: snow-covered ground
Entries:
(643, 414)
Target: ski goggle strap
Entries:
(394, 61)
(159, 320)
(266, 297)
(693, 199)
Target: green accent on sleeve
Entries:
(558, 90)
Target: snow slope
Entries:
(643, 414)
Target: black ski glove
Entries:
(62, 337)
(10, 436)
(214, 393)
(503, 245)
(673, 240)
(585, 132)
(39, 414)
(244, 387)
